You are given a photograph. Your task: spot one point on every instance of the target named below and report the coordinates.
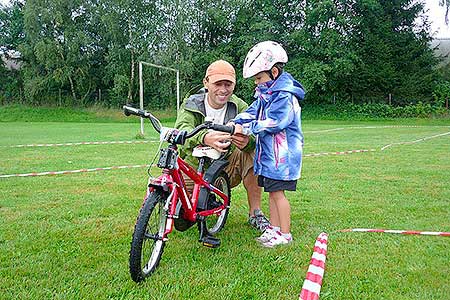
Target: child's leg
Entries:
(274, 218)
(283, 210)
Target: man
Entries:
(217, 102)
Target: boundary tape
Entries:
(376, 127)
(435, 233)
(73, 171)
(416, 141)
(142, 166)
(338, 153)
(81, 143)
(314, 276)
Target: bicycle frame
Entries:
(172, 182)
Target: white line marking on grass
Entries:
(72, 171)
(416, 141)
(375, 127)
(436, 233)
(141, 166)
(338, 153)
(81, 143)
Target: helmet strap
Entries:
(270, 72)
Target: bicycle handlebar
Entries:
(128, 110)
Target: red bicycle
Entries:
(169, 204)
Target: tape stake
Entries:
(314, 276)
(413, 232)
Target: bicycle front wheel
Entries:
(147, 245)
(215, 223)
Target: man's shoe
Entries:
(258, 220)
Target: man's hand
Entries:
(240, 140)
(218, 140)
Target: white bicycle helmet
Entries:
(262, 57)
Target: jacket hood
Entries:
(287, 83)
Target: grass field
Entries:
(68, 236)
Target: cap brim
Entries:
(216, 78)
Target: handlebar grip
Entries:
(128, 110)
(223, 128)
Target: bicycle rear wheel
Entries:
(147, 245)
(215, 223)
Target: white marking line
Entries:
(410, 232)
(72, 171)
(376, 127)
(338, 153)
(416, 141)
(140, 166)
(81, 143)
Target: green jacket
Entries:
(192, 113)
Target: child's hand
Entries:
(238, 129)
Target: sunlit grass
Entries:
(68, 236)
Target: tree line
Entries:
(84, 52)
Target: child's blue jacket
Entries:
(275, 119)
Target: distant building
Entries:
(11, 60)
(441, 49)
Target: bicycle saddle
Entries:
(205, 151)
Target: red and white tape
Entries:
(72, 171)
(141, 166)
(80, 143)
(338, 153)
(376, 127)
(438, 233)
(416, 141)
(313, 281)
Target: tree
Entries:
(11, 35)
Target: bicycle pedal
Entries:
(210, 242)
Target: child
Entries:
(274, 118)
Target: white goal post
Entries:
(141, 86)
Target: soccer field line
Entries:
(81, 143)
(415, 141)
(156, 141)
(33, 174)
(376, 127)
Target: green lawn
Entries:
(68, 236)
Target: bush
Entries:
(347, 111)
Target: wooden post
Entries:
(390, 99)
(446, 103)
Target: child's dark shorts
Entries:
(273, 185)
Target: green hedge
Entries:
(342, 111)
(349, 111)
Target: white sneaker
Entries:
(277, 239)
(267, 235)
